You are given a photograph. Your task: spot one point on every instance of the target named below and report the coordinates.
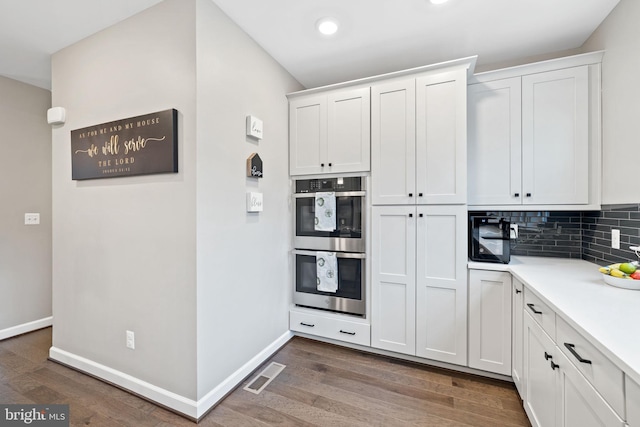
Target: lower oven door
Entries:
(350, 296)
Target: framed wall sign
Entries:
(139, 145)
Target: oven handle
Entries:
(352, 255)
(342, 194)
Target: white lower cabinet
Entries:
(556, 393)
(517, 334)
(632, 394)
(541, 396)
(419, 281)
(490, 321)
(581, 405)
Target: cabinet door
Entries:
(555, 137)
(580, 403)
(632, 394)
(495, 143)
(517, 346)
(441, 295)
(307, 134)
(393, 284)
(393, 143)
(542, 395)
(490, 321)
(348, 140)
(441, 137)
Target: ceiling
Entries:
(375, 36)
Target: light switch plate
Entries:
(254, 127)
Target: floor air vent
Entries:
(264, 378)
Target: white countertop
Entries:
(608, 316)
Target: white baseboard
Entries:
(186, 406)
(25, 327)
(232, 381)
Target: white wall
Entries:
(124, 249)
(243, 269)
(25, 186)
(619, 35)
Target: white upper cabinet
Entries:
(330, 132)
(555, 137)
(495, 143)
(441, 138)
(419, 139)
(393, 142)
(534, 136)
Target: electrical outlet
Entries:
(31, 219)
(131, 340)
(615, 238)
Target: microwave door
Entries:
(491, 240)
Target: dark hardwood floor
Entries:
(322, 385)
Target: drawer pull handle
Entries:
(533, 309)
(347, 332)
(528, 194)
(547, 356)
(571, 348)
(554, 366)
(518, 291)
(516, 195)
(307, 324)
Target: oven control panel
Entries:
(329, 184)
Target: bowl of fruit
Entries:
(622, 275)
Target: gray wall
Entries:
(619, 35)
(244, 275)
(124, 249)
(25, 186)
(175, 258)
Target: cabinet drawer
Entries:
(633, 402)
(606, 378)
(541, 312)
(330, 327)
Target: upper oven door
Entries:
(350, 223)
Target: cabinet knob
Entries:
(329, 164)
(547, 356)
(516, 195)
(321, 165)
(528, 194)
(518, 291)
(410, 215)
(419, 194)
(410, 194)
(554, 365)
(420, 215)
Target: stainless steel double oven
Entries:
(347, 240)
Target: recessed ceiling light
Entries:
(438, 1)
(327, 26)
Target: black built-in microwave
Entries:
(489, 239)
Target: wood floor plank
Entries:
(378, 372)
(322, 385)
